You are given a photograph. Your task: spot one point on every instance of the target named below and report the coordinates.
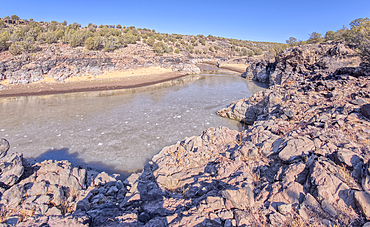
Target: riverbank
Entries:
(111, 80)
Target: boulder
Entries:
(241, 198)
(296, 148)
(362, 199)
(365, 110)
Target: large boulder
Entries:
(295, 148)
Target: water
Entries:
(119, 131)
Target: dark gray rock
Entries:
(365, 110)
(4, 147)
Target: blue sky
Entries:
(272, 21)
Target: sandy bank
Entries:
(111, 80)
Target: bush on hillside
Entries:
(359, 36)
(292, 41)
(21, 47)
(94, 43)
(111, 43)
(2, 24)
(315, 38)
(130, 38)
(14, 17)
(159, 47)
(47, 37)
(177, 51)
(150, 41)
(17, 35)
(4, 41)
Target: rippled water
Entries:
(119, 131)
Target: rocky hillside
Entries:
(30, 51)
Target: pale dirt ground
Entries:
(121, 74)
(236, 66)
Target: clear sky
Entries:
(263, 20)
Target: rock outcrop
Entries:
(61, 62)
(297, 63)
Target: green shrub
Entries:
(77, 38)
(203, 42)
(177, 51)
(211, 49)
(150, 41)
(292, 41)
(14, 17)
(111, 43)
(130, 39)
(18, 35)
(4, 41)
(159, 47)
(94, 43)
(118, 26)
(30, 40)
(2, 24)
(359, 35)
(59, 34)
(6, 18)
(47, 37)
(315, 38)
(21, 47)
(92, 27)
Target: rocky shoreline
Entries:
(303, 160)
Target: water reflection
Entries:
(119, 130)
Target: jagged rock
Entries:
(348, 157)
(295, 148)
(11, 169)
(257, 71)
(365, 110)
(241, 198)
(244, 218)
(4, 147)
(362, 199)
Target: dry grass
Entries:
(238, 140)
(172, 184)
(256, 178)
(178, 156)
(296, 221)
(3, 214)
(65, 207)
(24, 214)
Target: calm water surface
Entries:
(119, 131)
